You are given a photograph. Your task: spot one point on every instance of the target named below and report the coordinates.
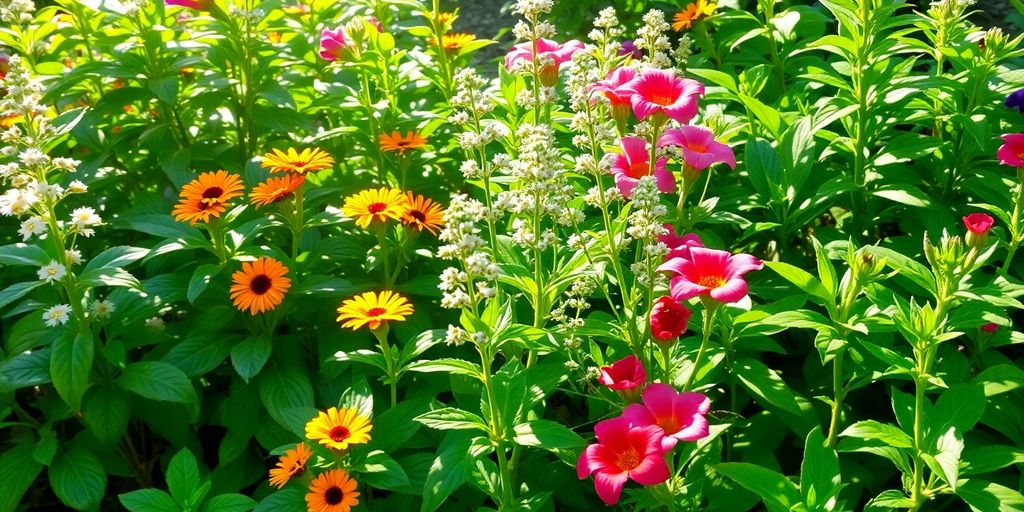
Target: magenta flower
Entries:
(614, 88)
(625, 374)
(679, 246)
(1012, 150)
(711, 272)
(559, 53)
(979, 223)
(199, 5)
(635, 163)
(629, 48)
(990, 328)
(662, 92)
(681, 416)
(622, 452)
(699, 147)
(668, 320)
(332, 43)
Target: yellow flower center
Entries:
(711, 281)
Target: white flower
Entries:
(58, 314)
(82, 220)
(77, 187)
(455, 336)
(17, 202)
(32, 226)
(102, 308)
(52, 271)
(32, 157)
(68, 164)
(74, 256)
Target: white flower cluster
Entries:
(471, 99)
(645, 221)
(462, 234)
(16, 11)
(533, 8)
(651, 37)
(132, 7)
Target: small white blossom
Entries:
(102, 308)
(57, 315)
(52, 271)
(32, 226)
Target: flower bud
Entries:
(626, 376)
(978, 226)
(668, 320)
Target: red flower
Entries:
(625, 374)
(662, 92)
(978, 226)
(668, 319)
(623, 452)
(990, 327)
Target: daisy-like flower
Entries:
(32, 226)
(309, 160)
(275, 189)
(74, 256)
(663, 93)
(395, 142)
(699, 148)
(711, 272)
(260, 285)
(207, 196)
(685, 18)
(455, 41)
(52, 271)
(338, 428)
(290, 465)
(332, 491)
(423, 213)
(372, 309)
(378, 204)
(83, 219)
(102, 308)
(57, 315)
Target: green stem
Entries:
(838, 393)
(382, 337)
(709, 317)
(497, 431)
(298, 223)
(666, 356)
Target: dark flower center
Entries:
(334, 495)
(339, 434)
(260, 284)
(375, 312)
(213, 193)
(418, 215)
(376, 207)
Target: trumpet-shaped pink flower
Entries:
(1012, 150)
(679, 246)
(332, 42)
(635, 163)
(623, 452)
(668, 320)
(625, 374)
(559, 53)
(662, 92)
(711, 272)
(614, 85)
(699, 148)
(681, 416)
(199, 5)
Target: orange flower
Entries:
(684, 19)
(309, 160)
(332, 491)
(291, 464)
(398, 143)
(369, 308)
(372, 205)
(423, 213)
(260, 285)
(10, 120)
(275, 189)
(445, 19)
(455, 41)
(207, 196)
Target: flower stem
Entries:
(382, 337)
(709, 318)
(666, 356)
(839, 391)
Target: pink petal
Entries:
(626, 184)
(723, 153)
(684, 289)
(609, 486)
(732, 291)
(635, 149)
(652, 471)
(658, 398)
(696, 430)
(676, 266)
(740, 264)
(643, 108)
(592, 459)
(613, 432)
(638, 415)
(665, 181)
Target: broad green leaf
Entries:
(229, 503)
(447, 365)
(158, 381)
(946, 461)
(1001, 378)
(249, 356)
(285, 500)
(889, 500)
(871, 429)
(986, 459)
(960, 406)
(450, 418)
(802, 280)
(106, 412)
(148, 500)
(820, 479)
(25, 370)
(78, 478)
(282, 388)
(397, 425)
(23, 254)
(548, 435)
(17, 291)
(115, 257)
(17, 472)
(70, 364)
(769, 485)
(448, 472)
(182, 476)
(380, 471)
(200, 280)
(772, 392)
(985, 496)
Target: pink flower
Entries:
(990, 328)
(332, 42)
(372, 20)
(1012, 150)
(622, 452)
(978, 223)
(662, 92)
(668, 319)
(699, 147)
(629, 48)
(634, 163)
(625, 374)
(614, 88)
(681, 416)
(199, 5)
(711, 272)
(559, 53)
(679, 246)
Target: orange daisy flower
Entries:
(309, 160)
(684, 19)
(455, 41)
(290, 465)
(398, 143)
(338, 428)
(378, 205)
(445, 19)
(10, 120)
(275, 189)
(207, 196)
(260, 285)
(370, 308)
(423, 213)
(332, 491)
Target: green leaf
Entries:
(946, 462)
(46, 448)
(548, 435)
(285, 500)
(960, 406)
(148, 500)
(772, 392)
(774, 488)
(397, 425)
(447, 365)
(165, 89)
(888, 500)
(249, 356)
(17, 291)
(106, 412)
(200, 280)
(820, 479)
(70, 365)
(282, 388)
(229, 503)
(986, 459)
(158, 381)
(23, 254)
(115, 257)
(1001, 378)
(871, 429)
(78, 478)
(17, 472)
(450, 418)
(380, 471)
(25, 370)
(826, 271)
(448, 472)
(803, 280)
(906, 267)
(182, 476)
(985, 496)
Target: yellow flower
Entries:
(684, 19)
(369, 308)
(332, 491)
(309, 160)
(291, 464)
(423, 214)
(378, 205)
(454, 41)
(338, 428)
